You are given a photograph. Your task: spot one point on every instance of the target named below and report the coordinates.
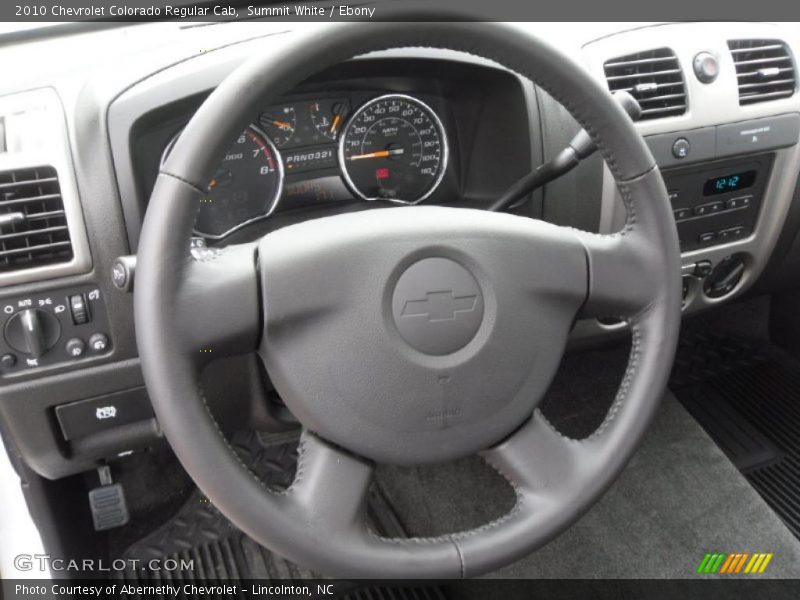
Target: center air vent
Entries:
(764, 69)
(653, 77)
(33, 226)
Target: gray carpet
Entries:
(679, 498)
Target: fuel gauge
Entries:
(328, 117)
(279, 123)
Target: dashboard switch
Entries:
(75, 347)
(79, 309)
(706, 67)
(98, 342)
(86, 417)
(681, 147)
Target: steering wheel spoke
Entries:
(331, 487)
(217, 305)
(621, 280)
(536, 459)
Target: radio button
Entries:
(740, 202)
(708, 209)
(732, 233)
(682, 213)
(704, 238)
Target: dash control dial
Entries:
(32, 332)
(79, 309)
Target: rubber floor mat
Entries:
(219, 551)
(747, 398)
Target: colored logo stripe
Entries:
(734, 563)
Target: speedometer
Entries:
(393, 148)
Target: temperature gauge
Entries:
(328, 117)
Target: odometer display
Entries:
(393, 148)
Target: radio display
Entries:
(729, 183)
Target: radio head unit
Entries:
(716, 203)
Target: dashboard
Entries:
(81, 145)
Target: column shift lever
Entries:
(579, 148)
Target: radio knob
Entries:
(32, 332)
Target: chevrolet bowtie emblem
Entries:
(439, 306)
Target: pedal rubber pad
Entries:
(109, 508)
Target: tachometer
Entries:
(246, 186)
(393, 148)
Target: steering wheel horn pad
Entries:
(321, 303)
(335, 288)
(437, 306)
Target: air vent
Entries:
(33, 226)
(653, 77)
(764, 69)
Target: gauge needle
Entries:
(282, 125)
(335, 125)
(285, 125)
(378, 154)
(221, 178)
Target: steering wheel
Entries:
(325, 304)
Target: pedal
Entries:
(107, 502)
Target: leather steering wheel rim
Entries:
(185, 305)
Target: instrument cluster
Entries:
(390, 147)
